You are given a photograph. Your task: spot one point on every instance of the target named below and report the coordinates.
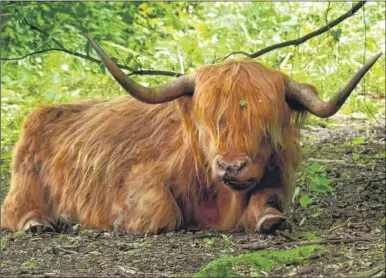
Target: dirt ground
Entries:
(356, 209)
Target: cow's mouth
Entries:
(239, 185)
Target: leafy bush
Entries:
(314, 179)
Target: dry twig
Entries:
(260, 246)
(339, 226)
(132, 271)
(337, 161)
(58, 247)
(378, 271)
(288, 235)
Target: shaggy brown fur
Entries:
(141, 167)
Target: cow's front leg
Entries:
(264, 212)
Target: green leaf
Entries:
(320, 188)
(305, 201)
(383, 222)
(320, 180)
(102, 68)
(356, 156)
(316, 167)
(336, 34)
(358, 141)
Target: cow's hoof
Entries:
(64, 226)
(271, 221)
(34, 226)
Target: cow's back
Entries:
(83, 153)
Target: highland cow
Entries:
(215, 149)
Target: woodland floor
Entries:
(356, 209)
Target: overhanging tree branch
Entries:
(87, 57)
(305, 38)
(295, 42)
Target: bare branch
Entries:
(53, 49)
(305, 38)
(87, 57)
(155, 72)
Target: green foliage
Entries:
(227, 240)
(128, 245)
(305, 201)
(381, 155)
(66, 238)
(383, 222)
(13, 236)
(336, 34)
(30, 265)
(208, 242)
(356, 156)
(357, 141)
(310, 236)
(314, 179)
(4, 241)
(255, 262)
(315, 121)
(18, 235)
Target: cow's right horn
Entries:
(180, 86)
(308, 98)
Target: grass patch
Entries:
(310, 236)
(13, 236)
(251, 264)
(208, 242)
(325, 123)
(30, 265)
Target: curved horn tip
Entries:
(377, 56)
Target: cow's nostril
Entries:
(231, 166)
(241, 165)
(222, 164)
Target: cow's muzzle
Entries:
(232, 170)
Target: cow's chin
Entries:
(239, 185)
(236, 184)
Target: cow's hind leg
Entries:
(25, 207)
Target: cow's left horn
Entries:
(308, 98)
(164, 93)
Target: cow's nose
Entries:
(231, 167)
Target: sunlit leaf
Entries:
(305, 201)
